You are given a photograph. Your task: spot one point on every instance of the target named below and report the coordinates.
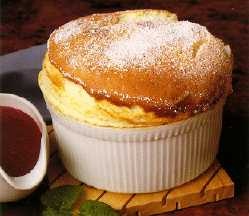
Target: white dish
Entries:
(139, 160)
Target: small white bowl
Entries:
(15, 188)
(139, 160)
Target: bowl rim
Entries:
(162, 131)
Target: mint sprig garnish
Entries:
(59, 202)
(56, 212)
(96, 208)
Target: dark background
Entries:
(25, 23)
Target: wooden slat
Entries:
(49, 128)
(176, 198)
(144, 202)
(221, 185)
(55, 169)
(65, 179)
(195, 186)
(228, 189)
(224, 178)
(116, 200)
(92, 193)
(52, 142)
(192, 193)
(143, 199)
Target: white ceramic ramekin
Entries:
(15, 188)
(139, 160)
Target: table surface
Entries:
(26, 23)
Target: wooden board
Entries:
(211, 186)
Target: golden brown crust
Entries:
(144, 58)
(71, 100)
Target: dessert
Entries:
(140, 74)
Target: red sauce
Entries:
(20, 140)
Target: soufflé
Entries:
(136, 98)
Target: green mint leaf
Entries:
(53, 212)
(61, 198)
(96, 208)
(49, 212)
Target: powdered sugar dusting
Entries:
(127, 44)
(145, 43)
(68, 30)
